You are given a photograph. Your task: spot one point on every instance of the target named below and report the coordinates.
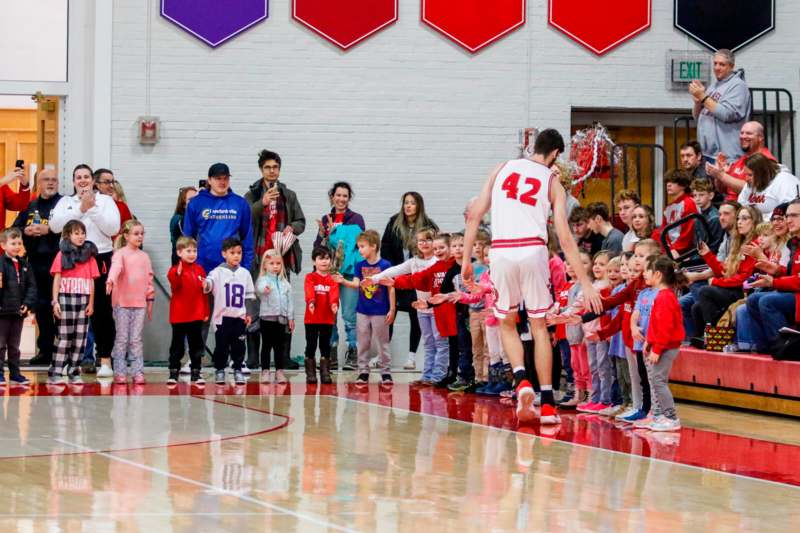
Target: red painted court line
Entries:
(286, 421)
(721, 452)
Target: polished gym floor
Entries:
(346, 458)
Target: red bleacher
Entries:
(755, 374)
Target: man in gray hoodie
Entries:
(722, 109)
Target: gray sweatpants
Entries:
(370, 327)
(635, 378)
(129, 322)
(658, 374)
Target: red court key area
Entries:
(474, 24)
(345, 23)
(600, 26)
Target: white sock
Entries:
(545, 387)
(518, 368)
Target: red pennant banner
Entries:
(345, 23)
(600, 26)
(474, 24)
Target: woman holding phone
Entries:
(10, 200)
(100, 215)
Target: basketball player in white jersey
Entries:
(520, 194)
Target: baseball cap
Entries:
(218, 169)
(780, 211)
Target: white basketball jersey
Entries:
(520, 204)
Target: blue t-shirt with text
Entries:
(644, 304)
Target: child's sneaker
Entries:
(246, 371)
(75, 379)
(238, 377)
(611, 410)
(266, 376)
(197, 377)
(280, 377)
(411, 363)
(52, 379)
(570, 401)
(662, 423)
(362, 379)
(173, 377)
(597, 408)
(19, 379)
(644, 423)
(459, 385)
(386, 379)
(120, 379)
(219, 377)
(549, 416)
(186, 369)
(105, 372)
(587, 407)
(635, 417)
(525, 396)
(626, 413)
(138, 379)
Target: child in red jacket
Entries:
(322, 303)
(664, 336)
(188, 309)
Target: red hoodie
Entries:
(622, 322)
(746, 267)
(323, 292)
(430, 280)
(680, 238)
(562, 297)
(188, 302)
(791, 281)
(666, 323)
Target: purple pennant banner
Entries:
(215, 21)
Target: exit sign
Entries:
(685, 66)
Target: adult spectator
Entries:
(100, 215)
(730, 178)
(107, 184)
(588, 241)
(627, 200)
(776, 309)
(399, 244)
(41, 246)
(721, 109)
(10, 200)
(600, 223)
(273, 208)
(216, 214)
(342, 226)
(185, 195)
(691, 155)
(726, 286)
(767, 184)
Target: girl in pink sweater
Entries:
(130, 284)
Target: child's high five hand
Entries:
(150, 310)
(335, 308)
(109, 286)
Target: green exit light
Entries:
(689, 70)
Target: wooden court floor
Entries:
(347, 458)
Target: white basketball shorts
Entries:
(521, 275)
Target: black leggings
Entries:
(273, 339)
(712, 302)
(318, 333)
(645, 381)
(182, 332)
(102, 318)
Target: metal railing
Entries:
(636, 150)
(772, 118)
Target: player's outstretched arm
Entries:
(475, 214)
(570, 247)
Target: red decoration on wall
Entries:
(474, 24)
(600, 26)
(345, 22)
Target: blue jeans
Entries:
(566, 361)
(437, 349)
(771, 311)
(602, 370)
(348, 299)
(687, 301)
(749, 335)
(465, 368)
(88, 352)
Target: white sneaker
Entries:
(187, 369)
(245, 370)
(662, 423)
(411, 363)
(105, 372)
(626, 413)
(611, 410)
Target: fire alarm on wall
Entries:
(149, 130)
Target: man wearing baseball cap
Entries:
(216, 214)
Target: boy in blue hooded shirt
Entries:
(216, 214)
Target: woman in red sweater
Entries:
(664, 336)
(726, 285)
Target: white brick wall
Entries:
(407, 109)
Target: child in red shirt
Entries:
(188, 309)
(680, 239)
(322, 304)
(664, 336)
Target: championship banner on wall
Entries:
(215, 21)
(474, 24)
(729, 24)
(600, 26)
(345, 23)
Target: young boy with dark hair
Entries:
(322, 303)
(17, 298)
(375, 310)
(681, 205)
(232, 286)
(703, 196)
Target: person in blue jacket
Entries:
(215, 214)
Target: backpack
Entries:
(787, 347)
